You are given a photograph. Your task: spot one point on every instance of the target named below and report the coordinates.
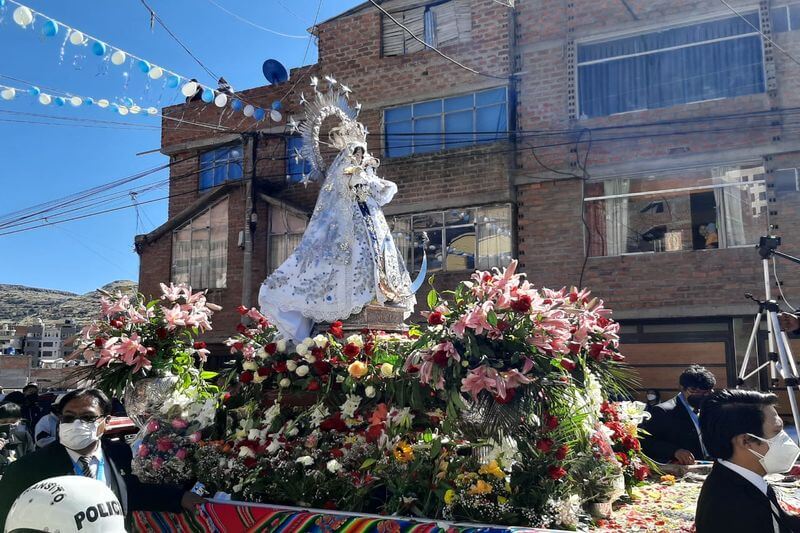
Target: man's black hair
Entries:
(10, 410)
(697, 377)
(29, 385)
(15, 397)
(97, 394)
(728, 413)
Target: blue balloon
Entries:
(88, 101)
(277, 105)
(144, 66)
(259, 114)
(207, 96)
(2, 3)
(237, 105)
(114, 108)
(98, 48)
(58, 101)
(173, 81)
(50, 28)
(35, 91)
(128, 101)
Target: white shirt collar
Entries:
(95, 457)
(749, 475)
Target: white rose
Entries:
(244, 451)
(333, 466)
(254, 434)
(306, 460)
(285, 383)
(302, 371)
(301, 349)
(308, 342)
(273, 446)
(281, 345)
(261, 353)
(387, 370)
(355, 339)
(321, 341)
(465, 363)
(291, 366)
(369, 392)
(240, 434)
(310, 358)
(257, 378)
(250, 365)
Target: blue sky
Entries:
(44, 162)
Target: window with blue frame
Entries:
(220, 165)
(444, 123)
(785, 18)
(295, 166)
(710, 60)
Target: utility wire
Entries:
(426, 45)
(305, 55)
(764, 35)
(253, 24)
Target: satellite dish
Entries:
(274, 71)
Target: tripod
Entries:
(779, 358)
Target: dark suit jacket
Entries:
(53, 460)
(670, 429)
(729, 503)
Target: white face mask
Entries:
(79, 434)
(782, 454)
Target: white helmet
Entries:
(67, 504)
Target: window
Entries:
(719, 207)
(286, 229)
(220, 165)
(200, 249)
(440, 24)
(295, 166)
(459, 239)
(718, 59)
(786, 180)
(446, 123)
(785, 18)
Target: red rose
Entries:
(242, 310)
(522, 304)
(336, 329)
(562, 452)
(369, 348)
(596, 351)
(487, 277)
(264, 371)
(550, 422)
(623, 458)
(162, 333)
(574, 348)
(318, 353)
(271, 348)
(436, 318)
(321, 367)
(200, 345)
(337, 453)
(333, 423)
(556, 472)
(238, 346)
(631, 443)
(568, 364)
(440, 358)
(351, 350)
(313, 385)
(641, 472)
(374, 433)
(502, 325)
(603, 321)
(246, 377)
(544, 445)
(280, 367)
(99, 341)
(151, 351)
(510, 393)
(241, 328)
(117, 323)
(250, 462)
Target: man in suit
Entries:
(743, 432)
(674, 428)
(83, 418)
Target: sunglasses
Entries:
(89, 419)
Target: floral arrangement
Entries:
(135, 338)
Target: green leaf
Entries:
(433, 298)
(436, 447)
(491, 318)
(367, 463)
(207, 374)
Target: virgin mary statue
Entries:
(347, 257)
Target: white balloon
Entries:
(189, 89)
(45, 99)
(76, 101)
(76, 37)
(275, 115)
(152, 111)
(135, 109)
(118, 57)
(23, 16)
(249, 110)
(155, 72)
(8, 94)
(221, 100)
(102, 103)
(122, 110)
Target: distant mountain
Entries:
(25, 305)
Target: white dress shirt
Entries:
(96, 458)
(749, 475)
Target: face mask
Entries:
(79, 434)
(695, 401)
(781, 456)
(651, 398)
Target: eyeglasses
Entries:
(89, 419)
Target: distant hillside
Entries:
(24, 305)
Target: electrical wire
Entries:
(764, 35)
(426, 45)
(253, 24)
(305, 55)
(779, 283)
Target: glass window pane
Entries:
(488, 120)
(428, 220)
(401, 233)
(780, 19)
(459, 103)
(785, 180)
(398, 139)
(458, 217)
(235, 169)
(428, 108)
(794, 17)
(181, 255)
(434, 250)
(198, 271)
(428, 134)
(494, 96)
(459, 128)
(398, 114)
(494, 237)
(460, 248)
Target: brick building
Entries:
(650, 144)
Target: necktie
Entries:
(85, 468)
(777, 519)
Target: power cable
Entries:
(305, 55)
(253, 24)
(764, 35)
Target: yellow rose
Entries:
(357, 369)
(449, 496)
(387, 370)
